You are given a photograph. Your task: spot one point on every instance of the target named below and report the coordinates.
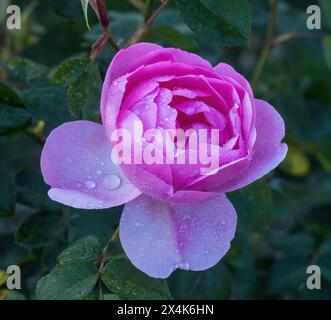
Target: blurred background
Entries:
(284, 220)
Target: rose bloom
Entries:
(175, 216)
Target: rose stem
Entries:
(100, 9)
(145, 27)
(268, 43)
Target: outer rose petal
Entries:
(124, 59)
(159, 237)
(268, 151)
(76, 163)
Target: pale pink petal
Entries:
(76, 163)
(159, 237)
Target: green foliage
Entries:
(122, 278)
(7, 194)
(254, 205)
(12, 119)
(46, 79)
(227, 23)
(84, 87)
(85, 4)
(214, 283)
(39, 229)
(327, 50)
(75, 275)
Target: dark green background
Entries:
(284, 220)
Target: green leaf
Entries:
(172, 37)
(24, 71)
(39, 230)
(221, 21)
(288, 274)
(73, 280)
(254, 205)
(85, 4)
(84, 95)
(84, 87)
(86, 249)
(76, 273)
(211, 284)
(12, 119)
(327, 50)
(7, 193)
(32, 191)
(9, 96)
(70, 70)
(123, 279)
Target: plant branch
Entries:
(145, 27)
(138, 4)
(267, 44)
(148, 9)
(295, 36)
(100, 9)
(102, 259)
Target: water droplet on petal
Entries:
(111, 182)
(89, 184)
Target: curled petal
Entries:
(76, 163)
(268, 151)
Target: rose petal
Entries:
(76, 163)
(159, 237)
(125, 58)
(268, 150)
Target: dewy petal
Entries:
(125, 58)
(76, 163)
(159, 237)
(268, 150)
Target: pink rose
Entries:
(176, 215)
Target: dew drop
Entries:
(111, 182)
(89, 184)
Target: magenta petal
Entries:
(76, 163)
(124, 59)
(159, 237)
(268, 150)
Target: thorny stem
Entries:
(145, 27)
(107, 36)
(267, 45)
